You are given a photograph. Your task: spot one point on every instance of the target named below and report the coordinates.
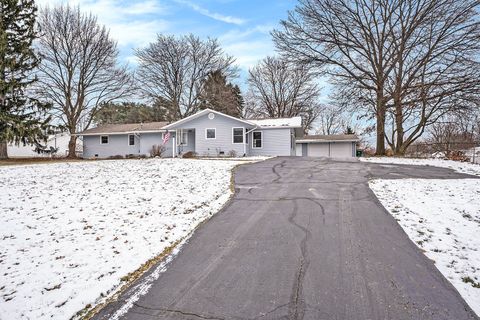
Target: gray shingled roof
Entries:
(125, 128)
(330, 137)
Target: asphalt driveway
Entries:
(303, 238)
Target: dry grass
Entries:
(23, 161)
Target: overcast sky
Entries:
(241, 26)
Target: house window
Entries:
(257, 141)
(210, 133)
(182, 138)
(131, 140)
(103, 139)
(237, 135)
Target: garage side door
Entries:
(318, 150)
(341, 149)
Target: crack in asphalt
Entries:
(274, 170)
(271, 311)
(297, 307)
(183, 313)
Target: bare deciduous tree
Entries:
(348, 40)
(79, 69)
(412, 61)
(330, 121)
(435, 74)
(171, 71)
(281, 89)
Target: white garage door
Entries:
(341, 149)
(318, 150)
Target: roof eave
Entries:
(323, 140)
(199, 114)
(117, 133)
(279, 127)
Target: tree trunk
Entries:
(72, 146)
(381, 115)
(399, 147)
(3, 150)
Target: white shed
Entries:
(333, 146)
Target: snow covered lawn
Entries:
(443, 218)
(70, 231)
(462, 167)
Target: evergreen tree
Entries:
(22, 118)
(217, 94)
(127, 112)
(349, 130)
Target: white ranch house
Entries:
(210, 133)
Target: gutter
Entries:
(117, 133)
(325, 141)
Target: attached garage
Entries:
(333, 146)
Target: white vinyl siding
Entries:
(275, 142)
(222, 144)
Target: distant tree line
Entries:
(403, 67)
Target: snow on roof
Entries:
(295, 122)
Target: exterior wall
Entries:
(117, 145)
(298, 149)
(223, 141)
(148, 140)
(276, 142)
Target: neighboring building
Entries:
(58, 142)
(207, 133)
(334, 146)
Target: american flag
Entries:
(166, 137)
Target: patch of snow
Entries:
(462, 167)
(443, 218)
(294, 122)
(70, 231)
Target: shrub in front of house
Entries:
(116, 157)
(189, 155)
(157, 151)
